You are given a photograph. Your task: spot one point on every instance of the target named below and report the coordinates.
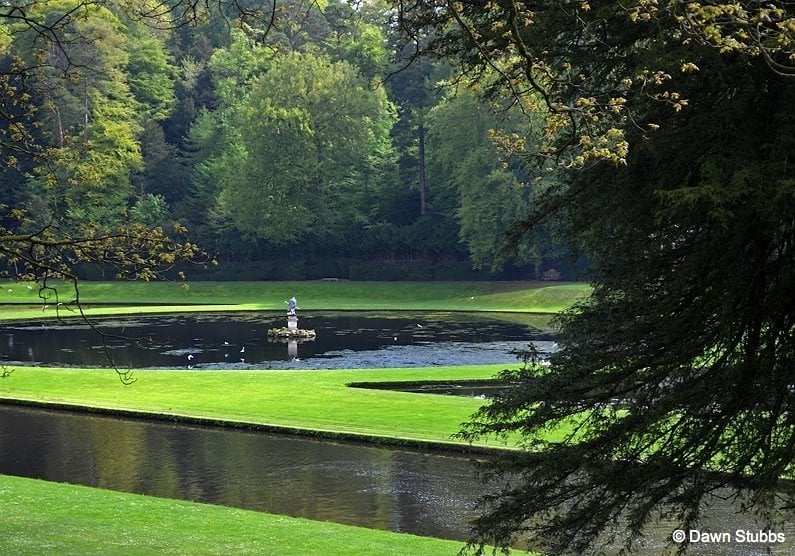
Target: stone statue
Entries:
(292, 305)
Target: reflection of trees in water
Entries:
(347, 483)
(372, 486)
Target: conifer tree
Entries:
(674, 380)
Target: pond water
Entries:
(403, 490)
(393, 489)
(240, 341)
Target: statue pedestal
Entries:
(291, 333)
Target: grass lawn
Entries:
(20, 300)
(49, 518)
(317, 401)
(42, 517)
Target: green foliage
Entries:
(259, 133)
(82, 151)
(473, 181)
(166, 172)
(151, 75)
(309, 136)
(550, 49)
(90, 119)
(149, 210)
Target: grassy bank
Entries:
(526, 297)
(316, 401)
(49, 518)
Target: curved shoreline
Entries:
(527, 298)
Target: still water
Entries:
(401, 490)
(356, 484)
(240, 341)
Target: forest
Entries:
(313, 143)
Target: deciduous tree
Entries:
(473, 181)
(305, 140)
(69, 142)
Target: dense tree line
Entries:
(292, 142)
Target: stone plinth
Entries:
(287, 334)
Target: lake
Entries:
(345, 340)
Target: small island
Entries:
(289, 333)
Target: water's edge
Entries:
(216, 422)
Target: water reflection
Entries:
(240, 341)
(376, 487)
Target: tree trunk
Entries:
(421, 167)
(85, 109)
